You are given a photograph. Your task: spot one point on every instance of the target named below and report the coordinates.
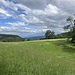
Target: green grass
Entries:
(47, 57)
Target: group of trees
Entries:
(51, 35)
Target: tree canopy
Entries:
(71, 27)
(49, 34)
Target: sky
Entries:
(28, 18)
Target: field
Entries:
(49, 57)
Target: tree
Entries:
(49, 34)
(71, 28)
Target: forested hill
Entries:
(4, 37)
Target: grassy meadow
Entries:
(56, 57)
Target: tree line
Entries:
(51, 35)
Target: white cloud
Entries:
(16, 23)
(23, 7)
(9, 4)
(49, 10)
(38, 12)
(34, 20)
(16, 30)
(5, 28)
(14, 6)
(4, 13)
(30, 19)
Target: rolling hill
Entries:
(5, 36)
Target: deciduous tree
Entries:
(71, 27)
(49, 34)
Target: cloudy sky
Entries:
(34, 17)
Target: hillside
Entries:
(63, 35)
(46, 57)
(5, 36)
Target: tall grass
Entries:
(37, 58)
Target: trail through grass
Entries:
(37, 58)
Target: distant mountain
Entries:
(36, 37)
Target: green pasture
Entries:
(47, 57)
